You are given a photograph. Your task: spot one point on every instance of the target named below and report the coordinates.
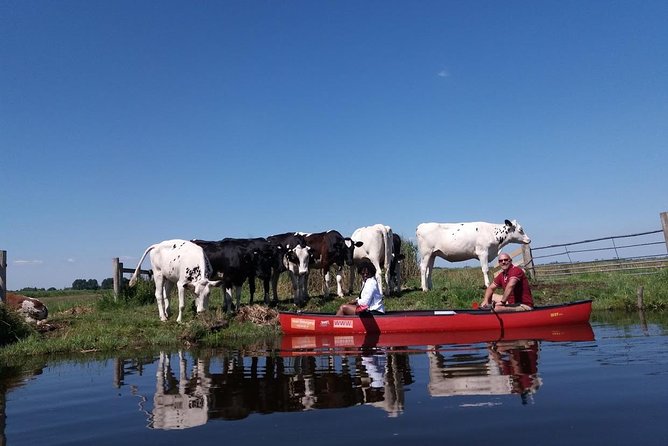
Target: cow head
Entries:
(299, 255)
(516, 233)
(349, 247)
(202, 292)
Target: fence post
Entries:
(527, 260)
(3, 276)
(117, 275)
(664, 224)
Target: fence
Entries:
(636, 255)
(117, 275)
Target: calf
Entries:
(456, 242)
(31, 309)
(238, 260)
(182, 263)
(377, 248)
(328, 249)
(292, 254)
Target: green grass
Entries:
(96, 322)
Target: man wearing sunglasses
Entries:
(515, 285)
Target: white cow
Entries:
(377, 247)
(182, 263)
(456, 242)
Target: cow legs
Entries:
(237, 293)
(265, 285)
(484, 265)
(351, 282)
(325, 283)
(180, 287)
(159, 291)
(227, 300)
(302, 289)
(251, 288)
(426, 267)
(274, 283)
(167, 287)
(339, 280)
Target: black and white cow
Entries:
(377, 248)
(291, 255)
(456, 242)
(182, 263)
(327, 249)
(238, 260)
(395, 265)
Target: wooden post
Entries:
(527, 259)
(664, 223)
(117, 275)
(3, 276)
(641, 305)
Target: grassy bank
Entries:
(95, 322)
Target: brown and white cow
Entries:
(30, 308)
(181, 263)
(328, 249)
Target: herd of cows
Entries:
(229, 263)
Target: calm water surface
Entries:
(599, 384)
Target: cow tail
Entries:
(133, 279)
(389, 243)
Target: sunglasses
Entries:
(504, 260)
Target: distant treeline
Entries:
(80, 284)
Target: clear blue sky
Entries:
(124, 123)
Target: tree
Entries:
(83, 284)
(107, 283)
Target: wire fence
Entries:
(640, 253)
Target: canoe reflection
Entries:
(324, 372)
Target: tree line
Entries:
(81, 284)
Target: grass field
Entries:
(96, 322)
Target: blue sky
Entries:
(125, 123)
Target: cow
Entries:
(327, 249)
(31, 309)
(292, 254)
(395, 265)
(377, 247)
(456, 242)
(238, 260)
(181, 263)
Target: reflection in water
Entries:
(232, 386)
(183, 402)
(311, 372)
(504, 367)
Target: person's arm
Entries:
(508, 290)
(488, 293)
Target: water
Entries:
(604, 384)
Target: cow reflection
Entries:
(183, 402)
(505, 367)
(327, 382)
(233, 386)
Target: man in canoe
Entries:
(370, 299)
(515, 285)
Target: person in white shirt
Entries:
(371, 299)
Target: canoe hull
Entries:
(435, 320)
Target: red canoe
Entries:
(435, 320)
(295, 345)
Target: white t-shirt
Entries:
(370, 296)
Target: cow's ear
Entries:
(509, 223)
(358, 244)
